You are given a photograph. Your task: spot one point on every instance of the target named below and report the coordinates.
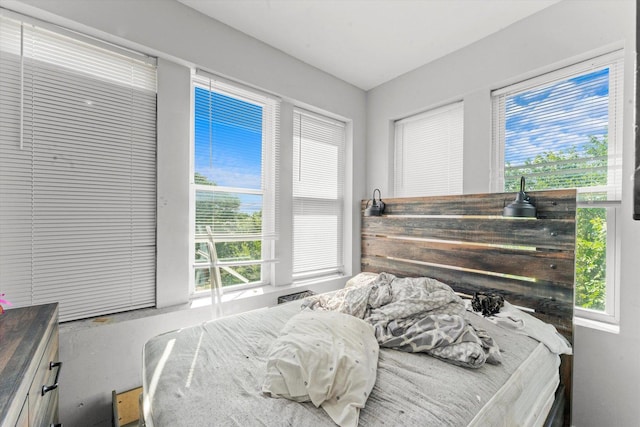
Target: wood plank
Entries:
(127, 406)
(547, 234)
(555, 311)
(444, 231)
(543, 297)
(546, 266)
(552, 204)
(566, 378)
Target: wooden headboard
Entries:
(465, 241)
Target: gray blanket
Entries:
(417, 315)
(212, 375)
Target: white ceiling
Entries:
(368, 42)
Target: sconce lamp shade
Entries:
(377, 206)
(521, 206)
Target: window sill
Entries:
(200, 307)
(267, 295)
(612, 328)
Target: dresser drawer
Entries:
(23, 418)
(28, 343)
(44, 388)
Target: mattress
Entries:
(211, 375)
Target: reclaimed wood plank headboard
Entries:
(465, 241)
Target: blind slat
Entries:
(318, 194)
(429, 153)
(560, 130)
(236, 153)
(86, 168)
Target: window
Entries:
(428, 153)
(77, 171)
(563, 130)
(235, 133)
(318, 199)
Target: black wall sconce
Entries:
(377, 206)
(521, 206)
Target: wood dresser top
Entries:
(21, 333)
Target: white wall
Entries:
(100, 356)
(606, 366)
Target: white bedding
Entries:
(212, 375)
(327, 358)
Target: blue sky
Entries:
(229, 152)
(228, 138)
(564, 112)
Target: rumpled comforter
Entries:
(414, 315)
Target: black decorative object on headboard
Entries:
(521, 206)
(487, 303)
(377, 206)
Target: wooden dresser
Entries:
(29, 366)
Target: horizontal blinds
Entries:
(318, 181)
(235, 158)
(15, 174)
(429, 153)
(89, 143)
(561, 130)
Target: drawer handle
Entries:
(48, 388)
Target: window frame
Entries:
(339, 202)
(269, 185)
(614, 239)
(453, 111)
(611, 314)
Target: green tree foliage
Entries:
(566, 169)
(571, 168)
(591, 252)
(198, 178)
(221, 211)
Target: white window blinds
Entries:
(236, 132)
(77, 172)
(236, 154)
(429, 153)
(318, 202)
(562, 130)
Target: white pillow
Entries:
(325, 357)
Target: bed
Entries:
(214, 373)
